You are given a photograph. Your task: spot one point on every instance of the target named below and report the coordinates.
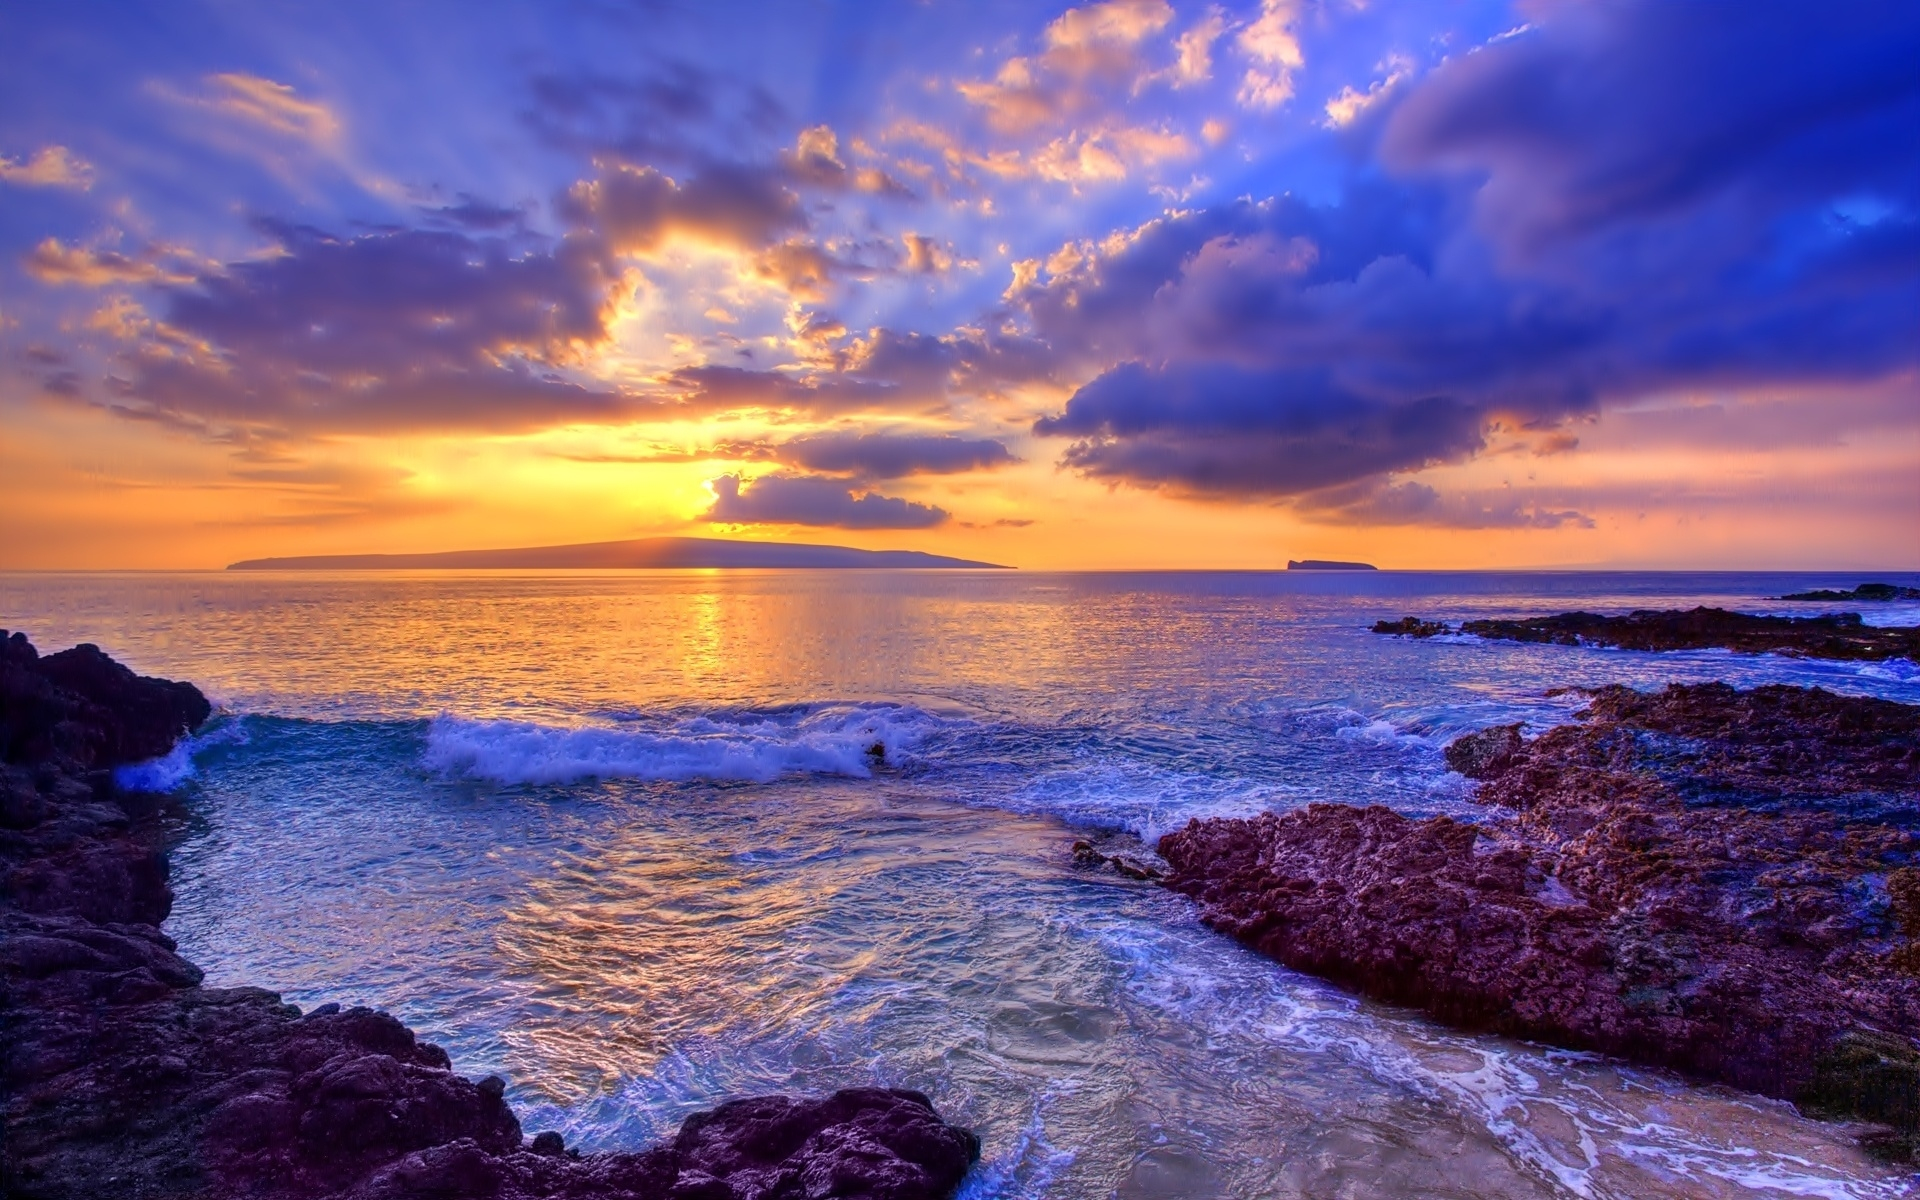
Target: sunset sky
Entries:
(1132, 284)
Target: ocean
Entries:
(622, 839)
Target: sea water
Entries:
(623, 839)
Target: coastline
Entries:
(124, 1076)
(1716, 881)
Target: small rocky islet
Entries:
(124, 1077)
(1840, 636)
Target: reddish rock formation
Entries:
(123, 1077)
(1720, 881)
(1838, 636)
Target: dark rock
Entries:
(1873, 593)
(122, 1076)
(1839, 636)
(1686, 878)
(1485, 754)
(1130, 866)
(82, 709)
(1412, 627)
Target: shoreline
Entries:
(124, 1076)
(1687, 879)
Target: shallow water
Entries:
(619, 838)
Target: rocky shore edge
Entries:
(123, 1076)
(1718, 881)
(1842, 636)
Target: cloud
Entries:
(926, 255)
(1086, 51)
(811, 500)
(272, 106)
(1345, 107)
(636, 209)
(892, 455)
(1414, 503)
(1529, 256)
(716, 388)
(1194, 50)
(52, 166)
(1222, 431)
(55, 262)
(406, 329)
(1272, 48)
(1603, 114)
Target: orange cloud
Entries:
(55, 262)
(53, 166)
(274, 106)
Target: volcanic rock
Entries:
(124, 1077)
(1412, 627)
(1719, 881)
(1837, 636)
(1872, 593)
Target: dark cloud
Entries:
(1225, 430)
(1602, 114)
(893, 455)
(635, 208)
(393, 330)
(479, 215)
(812, 500)
(1623, 199)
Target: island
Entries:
(643, 553)
(1327, 564)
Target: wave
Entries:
(177, 766)
(825, 739)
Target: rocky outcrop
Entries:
(124, 1077)
(1720, 881)
(1872, 593)
(1837, 636)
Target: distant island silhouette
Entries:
(664, 552)
(1327, 564)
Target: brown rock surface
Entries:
(1837, 636)
(1720, 881)
(123, 1077)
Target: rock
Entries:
(1873, 593)
(1719, 881)
(1128, 865)
(1840, 636)
(1412, 627)
(81, 708)
(124, 1076)
(1485, 754)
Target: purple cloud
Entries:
(1623, 199)
(893, 455)
(812, 500)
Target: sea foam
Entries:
(170, 770)
(813, 739)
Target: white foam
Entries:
(161, 774)
(820, 739)
(176, 766)
(1145, 800)
(1895, 670)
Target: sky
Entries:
(1134, 284)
